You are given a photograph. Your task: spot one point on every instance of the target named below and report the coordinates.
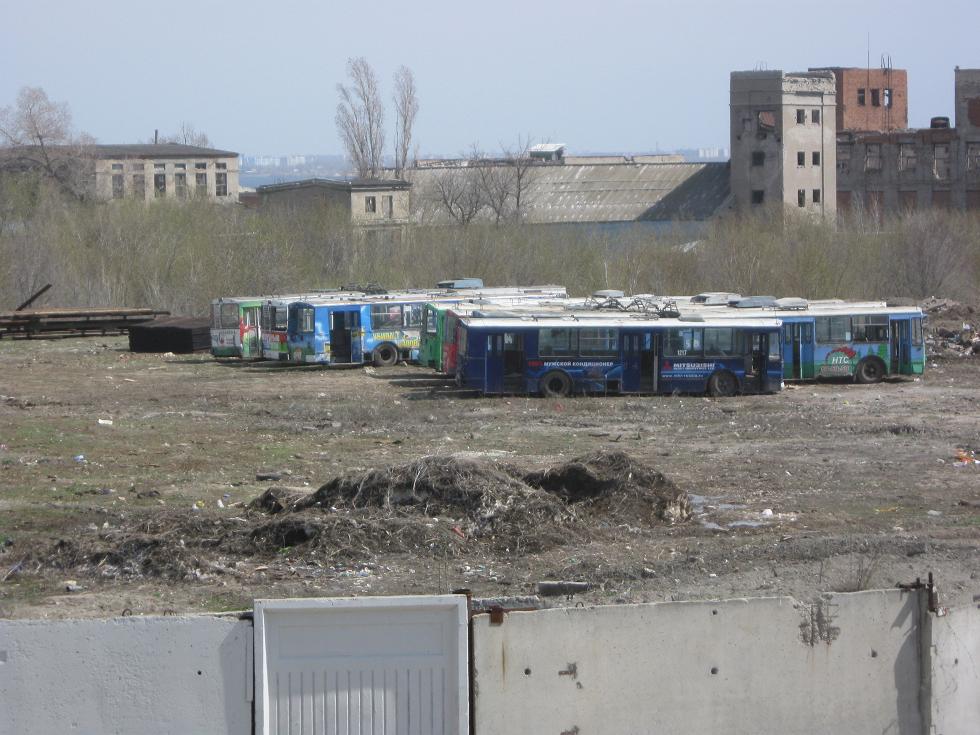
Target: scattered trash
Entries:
(934, 513)
(80, 458)
(965, 457)
(767, 513)
(72, 586)
(105, 422)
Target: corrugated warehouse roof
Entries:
(598, 193)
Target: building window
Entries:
(387, 206)
(117, 167)
(844, 158)
(872, 157)
(815, 117)
(888, 96)
(180, 185)
(758, 196)
(907, 158)
(159, 185)
(159, 167)
(138, 167)
(816, 196)
(801, 117)
(816, 158)
(139, 186)
(767, 121)
(801, 159)
(973, 157)
(201, 184)
(758, 158)
(221, 184)
(180, 166)
(876, 98)
(117, 186)
(370, 205)
(941, 155)
(801, 197)
(861, 96)
(221, 166)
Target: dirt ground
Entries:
(827, 486)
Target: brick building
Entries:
(871, 99)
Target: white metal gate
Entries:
(363, 666)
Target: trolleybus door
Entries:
(757, 363)
(640, 363)
(251, 338)
(900, 347)
(798, 350)
(632, 371)
(504, 365)
(345, 343)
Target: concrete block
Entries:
(123, 676)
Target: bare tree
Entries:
(524, 174)
(495, 179)
(187, 134)
(360, 118)
(36, 135)
(406, 108)
(457, 191)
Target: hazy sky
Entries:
(612, 75)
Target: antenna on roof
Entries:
(156, 137)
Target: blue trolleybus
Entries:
(864, 341)
(564, 355)
(380, 329)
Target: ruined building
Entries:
(883, 166)
(783, 133)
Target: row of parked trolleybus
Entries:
(538, 340)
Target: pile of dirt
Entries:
(952, 328)
(436, 506)
(615, 484)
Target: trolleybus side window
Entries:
(556, 342)
(229, 316)
(413, 315)
(280, 317)
(917, 331)
(266, 321)
(719, 342)
(430, 320)
(306, 320)
(600, 341)
(386, 316)
(833, 329)
(684, 343)
(872, 328)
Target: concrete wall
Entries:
(124, 676)
(955, 664)
(771, 665)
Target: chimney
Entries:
(156, 137)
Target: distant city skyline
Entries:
(619, 76)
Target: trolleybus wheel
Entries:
(385, 355)
(555, 383)
(723, 384)
(869, 370)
